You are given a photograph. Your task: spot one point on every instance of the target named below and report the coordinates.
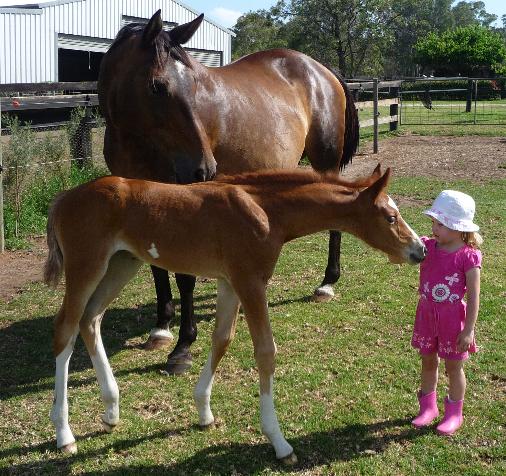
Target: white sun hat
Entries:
(455, 210)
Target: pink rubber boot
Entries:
(453, 418)
(428, 409)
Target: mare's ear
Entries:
(182, 33)
(152, 29)
(377, 187)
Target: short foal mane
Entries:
(162, 43)
(293, 178)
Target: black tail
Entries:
(351, 131)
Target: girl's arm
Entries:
(465, 338)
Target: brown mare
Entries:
(171, 119)
(201, 230)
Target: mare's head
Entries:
(381, 225)
(147, 86)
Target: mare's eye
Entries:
(391, 219)
(159, 88)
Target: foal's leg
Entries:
(160, 336)
(254, 303)
(122, 267)
(180, 359)
(80, 284)
(227, 307)
(325, 292)
(65, 440)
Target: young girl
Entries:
(444, 323)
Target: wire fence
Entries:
(37, 160)
(453, 102)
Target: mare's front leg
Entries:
(254, 302)
(325, 291)
(227, 307)
(160, 336)
(180, 359)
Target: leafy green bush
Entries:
(37, 167)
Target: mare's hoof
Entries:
(323, 294)
(70, 449)
(108, 427)
(155, 343)
(289, 460)
(179, 364)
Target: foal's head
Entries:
(382, 227)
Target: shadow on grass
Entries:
(26, 350)
(313, 450)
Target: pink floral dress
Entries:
(441, 311)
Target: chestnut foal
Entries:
(232, 229)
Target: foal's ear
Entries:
(377, 187)
(152, 29)
(376, 173)
(182, 33)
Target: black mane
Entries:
(162, 43)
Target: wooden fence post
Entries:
(375, 114)
(394, 110)
(80, 146)
(469, 97)
(2, 235)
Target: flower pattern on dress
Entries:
(440, 292)
(454, 297)
(422, 341)
(452, 279)
(446, 347)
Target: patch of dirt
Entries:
(20, 268)
(448, 158)
(472, 157)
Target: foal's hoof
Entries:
(70, 449)
(179, 364)
(289, 460)
(108, 427)
(323, 294)
(209, 427)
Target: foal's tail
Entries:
(351, 130)
(53, 267)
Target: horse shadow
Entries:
(314, 450)
(26, 350)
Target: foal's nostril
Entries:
(200, 175)
(424, 251)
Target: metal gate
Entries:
(453, 101)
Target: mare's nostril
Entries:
(424, 251)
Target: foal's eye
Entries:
(391, 219)
(159, 88)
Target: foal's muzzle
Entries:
(418, 255)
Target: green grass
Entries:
(345, 381)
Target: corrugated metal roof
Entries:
(35, 6)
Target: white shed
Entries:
(64, 40)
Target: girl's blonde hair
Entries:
(472, 238)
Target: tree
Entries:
(469, 51)
(257, 31)
(472, 13)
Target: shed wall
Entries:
(30, 52)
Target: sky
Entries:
(226, 12)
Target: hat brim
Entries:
(461, 225)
